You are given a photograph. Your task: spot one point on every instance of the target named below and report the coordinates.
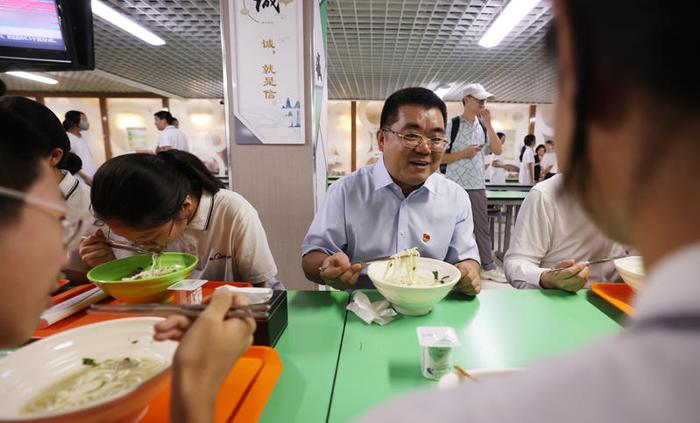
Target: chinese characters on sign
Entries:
(268, 73)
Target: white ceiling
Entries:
(374, 48)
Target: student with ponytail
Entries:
(170, 199)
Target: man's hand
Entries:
(485, 116)
(567, 275)
(337, 272)
(471, 151)
(470, 282)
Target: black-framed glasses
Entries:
(69, 228)
(413, 140)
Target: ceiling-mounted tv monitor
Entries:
(46, 35)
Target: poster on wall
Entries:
(136, 139)
(268, 77)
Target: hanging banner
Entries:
(268, 77)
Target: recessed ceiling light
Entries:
(122, 22)
(506, 21)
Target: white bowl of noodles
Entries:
(432, 281)
(107, 372)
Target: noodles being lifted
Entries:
(402, 267)
(96, 381)
(157, 269)
(403, 270)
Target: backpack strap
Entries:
(453, 132)
(453, 137)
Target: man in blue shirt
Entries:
(465, 165)
(399, 202)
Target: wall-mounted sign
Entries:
(268, 77)
(136, 139)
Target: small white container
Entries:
(437, 343)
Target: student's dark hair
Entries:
(71, 119)
(500, 135)
(414, 96)
(623, 61)
(165, 115)
(42, 120)
(540, 146)
(550, 142)
(72, 163)
(529, 141)
(145, 190)
(20, 161)
(3, 88)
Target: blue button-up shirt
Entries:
(366, 215)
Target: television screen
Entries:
(34, 30)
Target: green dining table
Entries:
(309, 350)
(497, 329)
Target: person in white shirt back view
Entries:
(527, 161)
(75, 123)
(170, 136)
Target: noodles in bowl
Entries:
(96, 381)
(413, 284)
(83, 375)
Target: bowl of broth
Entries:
(107, 372)
(144, 278)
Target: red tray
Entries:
(620, 295)
(243, 395)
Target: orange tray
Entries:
(82, 318)
(620, 295)
(243, 395)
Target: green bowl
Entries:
(108, 277)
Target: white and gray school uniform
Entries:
(228, 238)
(77, 196)
(649, 373)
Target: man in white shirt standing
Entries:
(552, 232)
(170, 136)
(471, 140)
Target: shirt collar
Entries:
(672, 285)
(68, 184)
(202, 217)
(382, 178)
(476, 120)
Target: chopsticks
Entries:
(256, 311)
(608, 259)
(463, 373)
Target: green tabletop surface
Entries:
(497, 329)
(309, 351)
(505, 195)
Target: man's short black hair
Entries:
(500, 134)
(414, 96)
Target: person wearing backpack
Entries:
(471, 138)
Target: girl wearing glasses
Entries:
(170, 201)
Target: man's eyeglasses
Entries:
(70, 228)
(413, 140)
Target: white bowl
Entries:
(30, 370)
(415, 300)
(632, 271)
